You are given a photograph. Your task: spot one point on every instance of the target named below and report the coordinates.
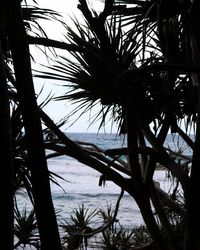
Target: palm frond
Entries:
(90, 77)
(25, 228)
(32, 15)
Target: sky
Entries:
(59, 109)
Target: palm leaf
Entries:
(87, 77)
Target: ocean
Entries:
(81, 183)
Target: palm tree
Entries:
(97, 77)
(26, 229)
(44, 209)
(7, 182)
(178, 36)
(146, 76)
(106, 55)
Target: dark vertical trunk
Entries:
(6, 183)
(148, 180)
(192, 233)
(141, 192)
(147, 214)
(132, 143)
(167, 228)
(44, 209)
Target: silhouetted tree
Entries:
(20, 57)
(146, 74)
(140, 62)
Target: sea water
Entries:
(80, 184)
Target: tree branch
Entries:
(53, 43)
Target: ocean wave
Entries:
(59, 196)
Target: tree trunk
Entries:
(141, 193)
(192, 233)
(44, 209)
(6, 183)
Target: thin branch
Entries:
(73, 149)
(55, 44)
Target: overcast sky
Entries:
(56, 110)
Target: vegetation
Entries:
(138, 60)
